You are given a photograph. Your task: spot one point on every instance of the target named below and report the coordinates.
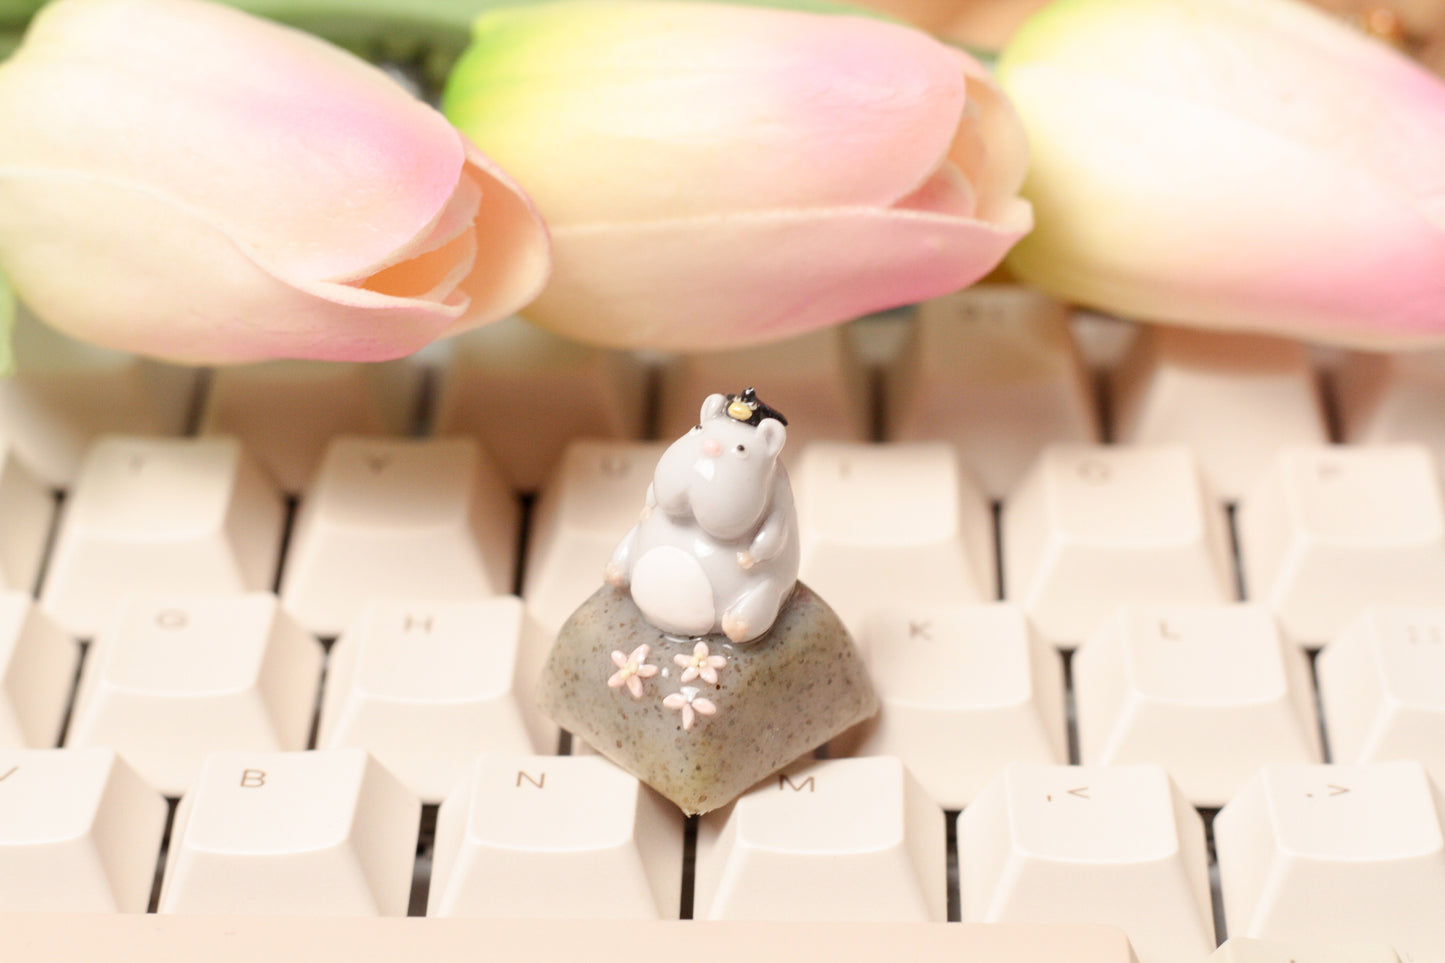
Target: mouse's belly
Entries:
(673, 592)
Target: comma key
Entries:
(1082, 844)
(79, 832)
(327, 833)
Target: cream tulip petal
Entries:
(675, 109)
(160, 279)
(1269, 234)
(743, 279)
(993, 141)
(514, 250)
(1282, 66)
(351, 166)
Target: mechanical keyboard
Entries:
(1157, 618)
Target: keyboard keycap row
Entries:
(1305, 852)
(1209, 692)
(999, 371)
(1327, 530)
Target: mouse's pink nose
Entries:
(712, 447)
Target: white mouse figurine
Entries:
(716, 548)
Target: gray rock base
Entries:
(777, 697)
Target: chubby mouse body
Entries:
(716, 549)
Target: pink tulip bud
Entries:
(183, 180)
(718, 175)
(1242, 164)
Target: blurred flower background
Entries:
(1250, 165)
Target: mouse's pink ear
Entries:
(713, 406)
(772, 434)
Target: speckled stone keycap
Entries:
(701, 720)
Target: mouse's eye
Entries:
(741, 448)
(697, 427)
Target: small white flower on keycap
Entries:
(631, 670)
(691, 703)
(701, 664)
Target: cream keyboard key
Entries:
(284, 412)
(590, 502)
(64, 394)
(523, 393)
(965, 689)
(1210, 693)
(886, 524)
(555, 836)
(1382, 687)
(1208, 390)
(427, 686)
(1336, 853)
(1093, 844)
(839, 839)
(37, 669)
(404, 518)
(175, 677)
(79, 832)
(323, 833)
(27, 509)
(816, 380)
(994, 370)
(1392, 398)
(191, 515)
(1244, 950)
(1091, 528)
(1332, 529)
